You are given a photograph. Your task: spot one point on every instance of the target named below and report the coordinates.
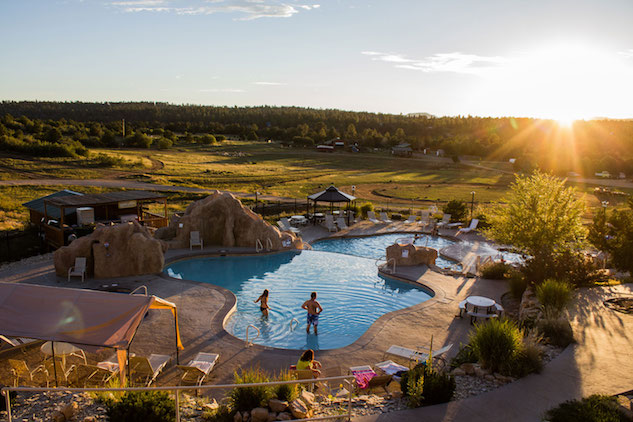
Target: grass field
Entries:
(270, 169)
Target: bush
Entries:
(286, 392)
(495, 270)
(496, 343)
(220, 138)
(438, 387)
(365, 208)
(105, 160)
(248, 398)
(465, 355)
(555, 330)
(569, 266)
(517, 284)
(142, 406)
(411, 377)
(457, 210)
(554, 295)
(595, 408)
(221, 414)
(207, 139)
(528, 360)
(164, 143)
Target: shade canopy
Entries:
(331, 194)
(78, 316)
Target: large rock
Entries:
(222, 220)
(307, 398)
(530, 309)
(299, 409)
(409, 254)
(114, 251)
(259, 414)
(277, 406)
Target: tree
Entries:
(457, 210)
(543, 217)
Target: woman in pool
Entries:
(306, 361)
(263, 302)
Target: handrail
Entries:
(258, 246)
(139, 288)
(382, 258)
(269, 244)
(405, 240)
(386, 266)
(293, 320)
(348, 379)
(250, 343)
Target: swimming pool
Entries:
(374, 247)
(352, 294)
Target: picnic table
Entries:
(298, 220)
(481, 307)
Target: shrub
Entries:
(517, 283)
(437, 387)
(164, 143)
(365, 208)
(457, 210)
(286, 392)
(554, 295)
(569, 266)
(207, 139)
(142, 406)
(495, 270)
(411, 377)
(248, 398)
(465, 355)
(496, 343)
(595, 408)
(220, 138)
(105, 160)
(221, 414)
(528, 360)
(556, 330)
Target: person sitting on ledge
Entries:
(306, 361)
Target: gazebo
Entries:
(331, 195)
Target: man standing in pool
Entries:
(314, 309)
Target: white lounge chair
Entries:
(194, 240)
(285, 226)
(446, 218)
(340, 222)
(147, 369)
(411, 219)
(329, 223)
(371, 216)
(425, 218)
(79, 269)
(473, 226)
(416, 355)
(384, 218)
(198, 368)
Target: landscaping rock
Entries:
(277, 405)
(259, 414)
(114, 251)
(415, 255)
(90, 419)
(458, 371)
(237, 417)
(246, 416)
(58, 416)
(299, 409)
(272, 416)
(284, 416)
(308, 398)
(222, 220)
(468, 368)
(530, 309)
(70, 410)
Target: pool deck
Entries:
(600, 362)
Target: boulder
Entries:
(530, 309)
(70, 410)
(237, 417)
(58, 416)
(308, 398)
(114, 251)
(468, 368)
(272, 416)
(458, 372)
(299, 409)
(277, 405)
(284, 416)
(259, 414)
(409, 254)
(222, 220)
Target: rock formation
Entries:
(222, 220)
(410, 254)
(114, 251)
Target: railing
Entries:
(258, 246)
(250, 343)
(386, 266)
(269, 244)
(293, 320)
(144, 288)
(405, 240)
(348, 379)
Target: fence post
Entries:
(349, 401)
(7, 398)
(177, 405)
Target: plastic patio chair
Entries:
(371, 216)
(198, 368)
(147, 368)
(194, 240)
(79, 269)
(384, 218)
(20, 370)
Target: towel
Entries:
(363, 378)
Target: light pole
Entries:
(256, 193)
(472, 204)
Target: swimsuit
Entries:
(313, 319)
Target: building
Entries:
(402, 150)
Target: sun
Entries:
(565, 121)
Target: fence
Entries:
(16, 245)
(348, 379)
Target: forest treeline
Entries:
(70, 127)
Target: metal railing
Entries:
(269, 244)
(258, 246)
(348, 379)
(393, 268)
(293, 320)
(250, 343)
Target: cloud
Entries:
(221, 90)
(269, 83)
(627, 54)
(442, 62)
(246, 9)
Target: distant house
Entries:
(325, 148)
(339, 143)
(402, 150)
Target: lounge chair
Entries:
(196, 370)
(371, 216)
(340, 222)
(147, 369)
(384, 218)
(425, 218)
(55, 372)
(329, 223)
(79, 269)
(367, 378)
(20, 370)
(90, 376)
(288, 227)
(473, 226)
(390, 367)
(194, 240)
(416, 355)
(446, 218)
(411, 219)
(17, 342)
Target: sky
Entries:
(529, 58)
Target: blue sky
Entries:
(559, 59)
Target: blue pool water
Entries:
(374, 246)
(352, 294)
